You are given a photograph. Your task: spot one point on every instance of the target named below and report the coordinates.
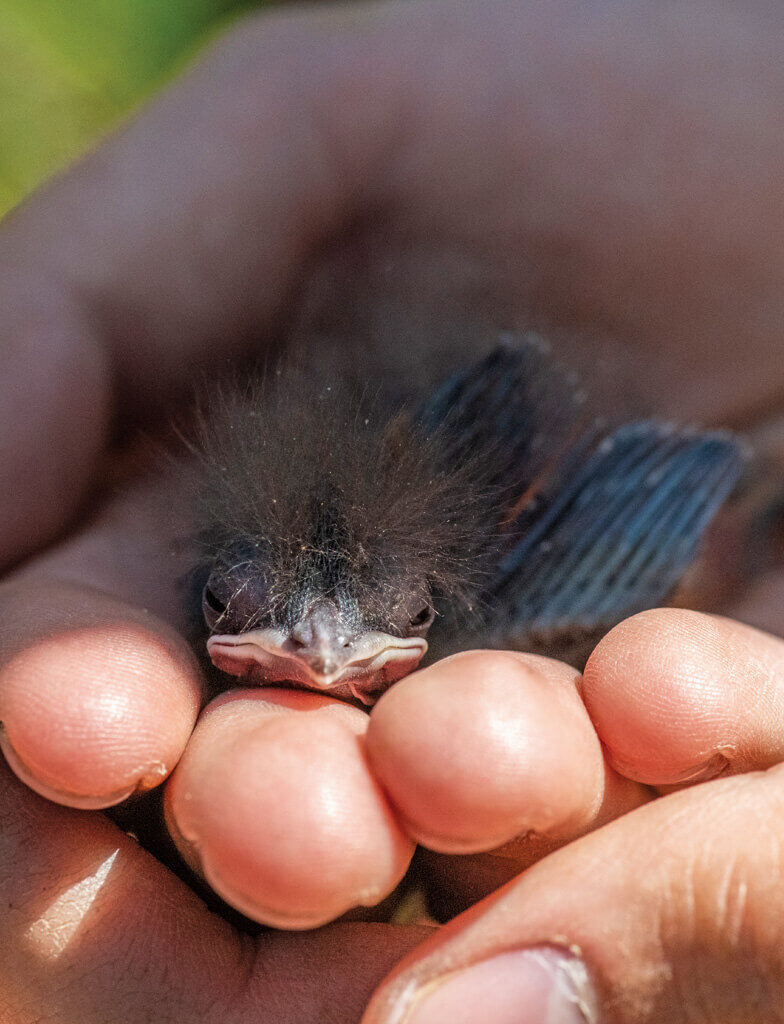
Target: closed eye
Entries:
(423, 617)
(210, 601)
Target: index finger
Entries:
(99, 689)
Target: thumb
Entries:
(673, 913)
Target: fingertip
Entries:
(274, 804)
(95, 714)
(483, 746)
(680, 696)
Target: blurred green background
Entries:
(69, 69)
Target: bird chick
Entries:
(339, 528)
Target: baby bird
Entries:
(342, 528)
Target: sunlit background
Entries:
(70, 69)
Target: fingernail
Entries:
(717, 764)
(80, 801)
(533, 986)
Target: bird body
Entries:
(341, 522)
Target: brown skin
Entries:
(632, 154)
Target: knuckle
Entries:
(722, 914)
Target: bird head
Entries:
(329, 528)
(324, 640)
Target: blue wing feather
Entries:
(607, 525)
(618, 535)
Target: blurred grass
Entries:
(69, 69)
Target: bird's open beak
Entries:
(319, 657)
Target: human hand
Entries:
(94, 929)
(129, 284)
(671, 913)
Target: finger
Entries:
(193, 273)
(97, 698)
(98, 694)
(678, 696)
(136, 547)
(673, 913)
(156, 277)
(484, 747)
(55, 408)
(94, 929)
(216, 153)
(274, 804)
(494, 752)
(93, 252)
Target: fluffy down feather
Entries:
(309, 488)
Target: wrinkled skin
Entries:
(632, 154)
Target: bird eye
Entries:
(213, 608)
(423, 617)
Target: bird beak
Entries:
(319, 654)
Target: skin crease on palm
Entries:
(617, 168)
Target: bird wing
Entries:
(588, 529)
(512, 411)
